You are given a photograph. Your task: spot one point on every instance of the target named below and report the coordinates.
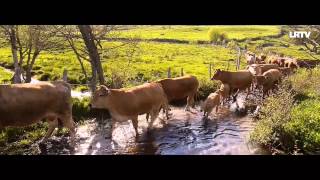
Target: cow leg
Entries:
(154, 116)
(147, 117)
(135, 124)
(190, 102)
(248, 92)
(70, 124)
(208, 113)
(217, 108)
(53, 123)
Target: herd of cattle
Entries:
(25, 104)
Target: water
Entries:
(185, 133)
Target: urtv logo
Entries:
(299, 34)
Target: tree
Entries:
(27, 42)
(312, 44)
(10, 32)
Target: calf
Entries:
(212, 101)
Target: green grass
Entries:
(290, 120)
(5, 76)
(150, 62)
(195, 33)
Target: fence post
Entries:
(65, 75)
(169, 72)
(181, 72)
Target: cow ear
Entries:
(104, 91)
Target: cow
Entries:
(212, 101)
(268, 80)
(224, 92)
(240, 80)
(127, 104)
(25, 104)
(291, 63)
(261, 58)
(276, 60)
(259, 69)
(180, 88)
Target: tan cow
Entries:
(212, 101)
(268, 80)
(276, 60)
(240, 80)
(25, 104)
(180, 88)
(224, 92)
(259, 69)
(128, 104)
(291, 63)
(261, 58)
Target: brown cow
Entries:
(236, 80)
(268, 80)
(259, 69)
(291, 63)
(180, 88)
(276, 60)
(213, 100)
(25, 104)
(124, 104)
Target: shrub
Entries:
(206, 87)
(274, 114)
(80, 108)
(216, 36)
(290, 120)
(81, 88)
(304, 128)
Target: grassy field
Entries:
(150, 62)
(195, 33)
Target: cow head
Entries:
(100, 97)
(216, 75)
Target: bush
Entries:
(304, 128)
(290, 120)
(82, 88)
(274, 114)
(80, 108)
(44, 77)
(216, 36)
(206, 87)
(232, 44)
